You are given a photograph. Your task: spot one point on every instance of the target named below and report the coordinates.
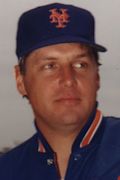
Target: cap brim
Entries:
(63, 39)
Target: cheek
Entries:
(89, 84)
(39, 89)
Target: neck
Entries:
(61, 142)
(61, 139)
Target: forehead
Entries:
(60, 50)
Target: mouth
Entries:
(69, 100)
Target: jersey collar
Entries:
(84, 138)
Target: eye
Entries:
(50, 66)
(79, 65)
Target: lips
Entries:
(68, 96)
(68, 100)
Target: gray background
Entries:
(16, 118)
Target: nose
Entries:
(67, 77)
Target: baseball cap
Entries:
(53, 24)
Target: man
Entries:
(58, 72)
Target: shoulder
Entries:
(111, 130)
(15, 155)
(112, 123)
(107, 160)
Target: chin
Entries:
(69, 119)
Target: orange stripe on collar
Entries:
(88, 136)
(92, 130)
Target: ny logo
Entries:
(60, 17)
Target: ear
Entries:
(20, 81)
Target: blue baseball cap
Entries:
(53, 24)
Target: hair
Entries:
(93, 52)
(22, 65)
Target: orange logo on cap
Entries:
(60, 17)
(118, 178)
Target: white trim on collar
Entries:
(92, 130)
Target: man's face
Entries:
(61, 82)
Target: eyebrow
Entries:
(49, 58)
(44, 59)
(52, 58)
(84, 54)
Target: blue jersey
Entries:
(95, 155)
